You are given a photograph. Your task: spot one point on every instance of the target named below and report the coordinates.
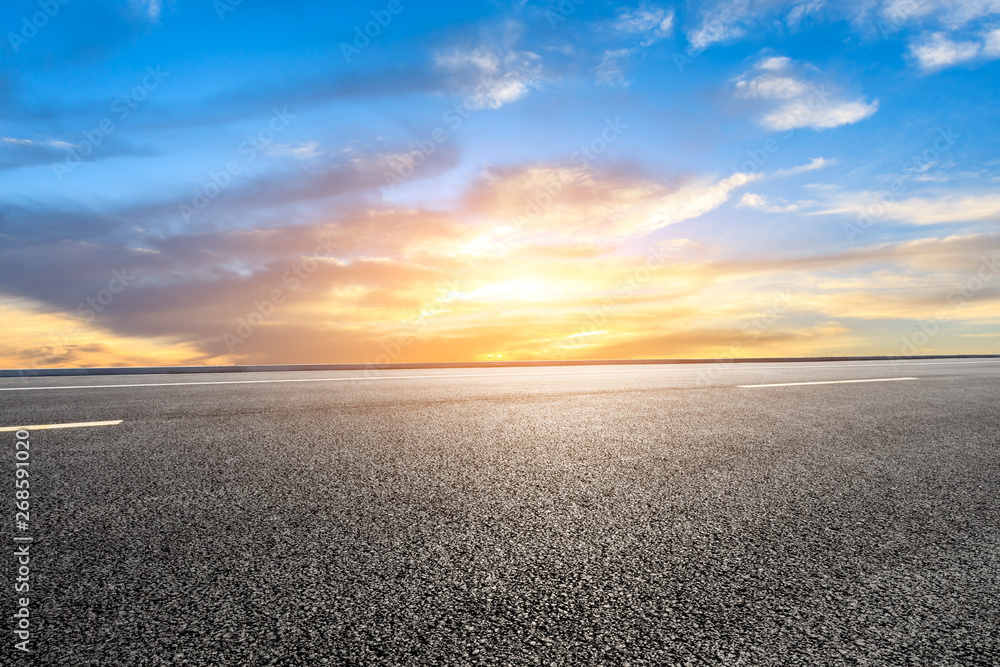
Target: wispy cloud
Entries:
(649, 23)
(491, 72)
(18, 152)
(991, 44)
(602, 205)
(647, 19)
(761, 202)
(794, 97)
(927, 210)
(300, 151)
(948, 13)
(938, 51)
(721, 22)
(812, 165)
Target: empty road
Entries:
(745, 514)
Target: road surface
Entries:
(740, 514)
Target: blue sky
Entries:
(496, 180)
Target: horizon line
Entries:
(265, 368)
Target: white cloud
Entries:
(949, 13)
(774, 63)
(602, 205)
(772, 86)
(19, 142)
(750, 200)
(730, 20)
(812, 165)
(800, 10)
(646, 18)
(795, 101)
(821, 117)
(923, 210)
(491, 78)
(723, 22)
(939, 51)
(12, 141)
(900, 11)
(651, 22)
(300, 151)
(696, 200)
(991, 44)
(610, 71)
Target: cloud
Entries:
(721, 22)
(750, 200)
(16, 152)
(942, 209)
(946, 209)
(799, 11)
(991, 44)
(400, 272)
(725, 21)
(491, 72)
(812, 165)
(646, 19)
(611, 68)
(491, 79)
(299, 151)
(938, 51)
(649, 22)
(793, 99)
(377, 265)
(775, 63)
(730, 20)
(948, 13)
(601, 205)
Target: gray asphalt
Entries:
(595, 515)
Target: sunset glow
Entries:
(498, 182)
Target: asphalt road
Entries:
(588, 515)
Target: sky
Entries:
(250, 182)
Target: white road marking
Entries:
(42, 427)
(785, 366)
(796, 384)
